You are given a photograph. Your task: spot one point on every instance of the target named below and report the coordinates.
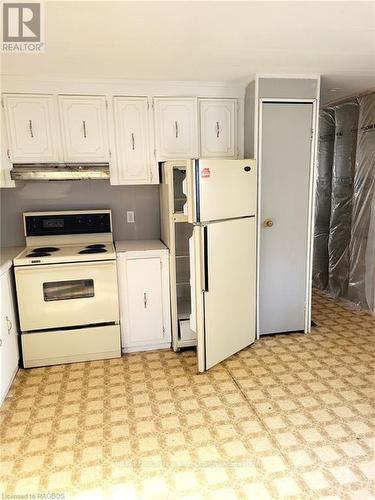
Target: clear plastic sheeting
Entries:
(323, 197)
(344, 157)
(362, 242)
(370, 260)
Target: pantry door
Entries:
(285, 167)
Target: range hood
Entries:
(59, 171)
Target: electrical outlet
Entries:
(130, 217)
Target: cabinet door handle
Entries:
(31, 129)
(9, 324)
(133, 142)
(217, 130)
(84, 129)
(145, 300)
(176, 129)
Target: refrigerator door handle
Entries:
(205, 257)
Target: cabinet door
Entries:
(32, 128)
(6, 165)
(132, 140)
(9, 340)
(144, 301)
(84, 128)
(176, 128)
(218, 130)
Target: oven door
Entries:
(66, 295)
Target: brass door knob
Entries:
(268, 223)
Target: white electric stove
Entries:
(40, 255)
(66, 282)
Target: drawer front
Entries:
(56, 347)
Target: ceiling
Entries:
(224, 41)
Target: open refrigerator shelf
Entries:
(183, 308)
(174, 216)
(180, 217)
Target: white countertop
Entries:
(7, 255)
(139, 245)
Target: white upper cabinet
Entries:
(32, 128)
(132, 134)
(218, 128)
(6, 165)
(84, 128)
(176, 130)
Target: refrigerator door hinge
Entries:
(148, 104)
(110, 154)
(8, 154)
(2, 102)
(312, 134)
(106, 103)
(155, 154)
(163, 331)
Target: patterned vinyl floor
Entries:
(292, 416)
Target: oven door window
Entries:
(66, 290)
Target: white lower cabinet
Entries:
(9, 335)
(143, 278)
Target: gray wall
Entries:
(94, 194)
(293, 88)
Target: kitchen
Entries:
(148, 226)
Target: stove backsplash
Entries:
(65, 195)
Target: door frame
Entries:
(311, 201)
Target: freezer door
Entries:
(225, 307)
(224, 189)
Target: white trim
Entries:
(310, 234)
(148, 347)
(311, 203)
(97, 86)
(292, 76)
(288, 99)
(257, 155)
(119, 81)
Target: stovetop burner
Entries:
(93, 250)
(96, 245)
(38, 254)
(46, 249)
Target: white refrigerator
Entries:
(217, 201)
